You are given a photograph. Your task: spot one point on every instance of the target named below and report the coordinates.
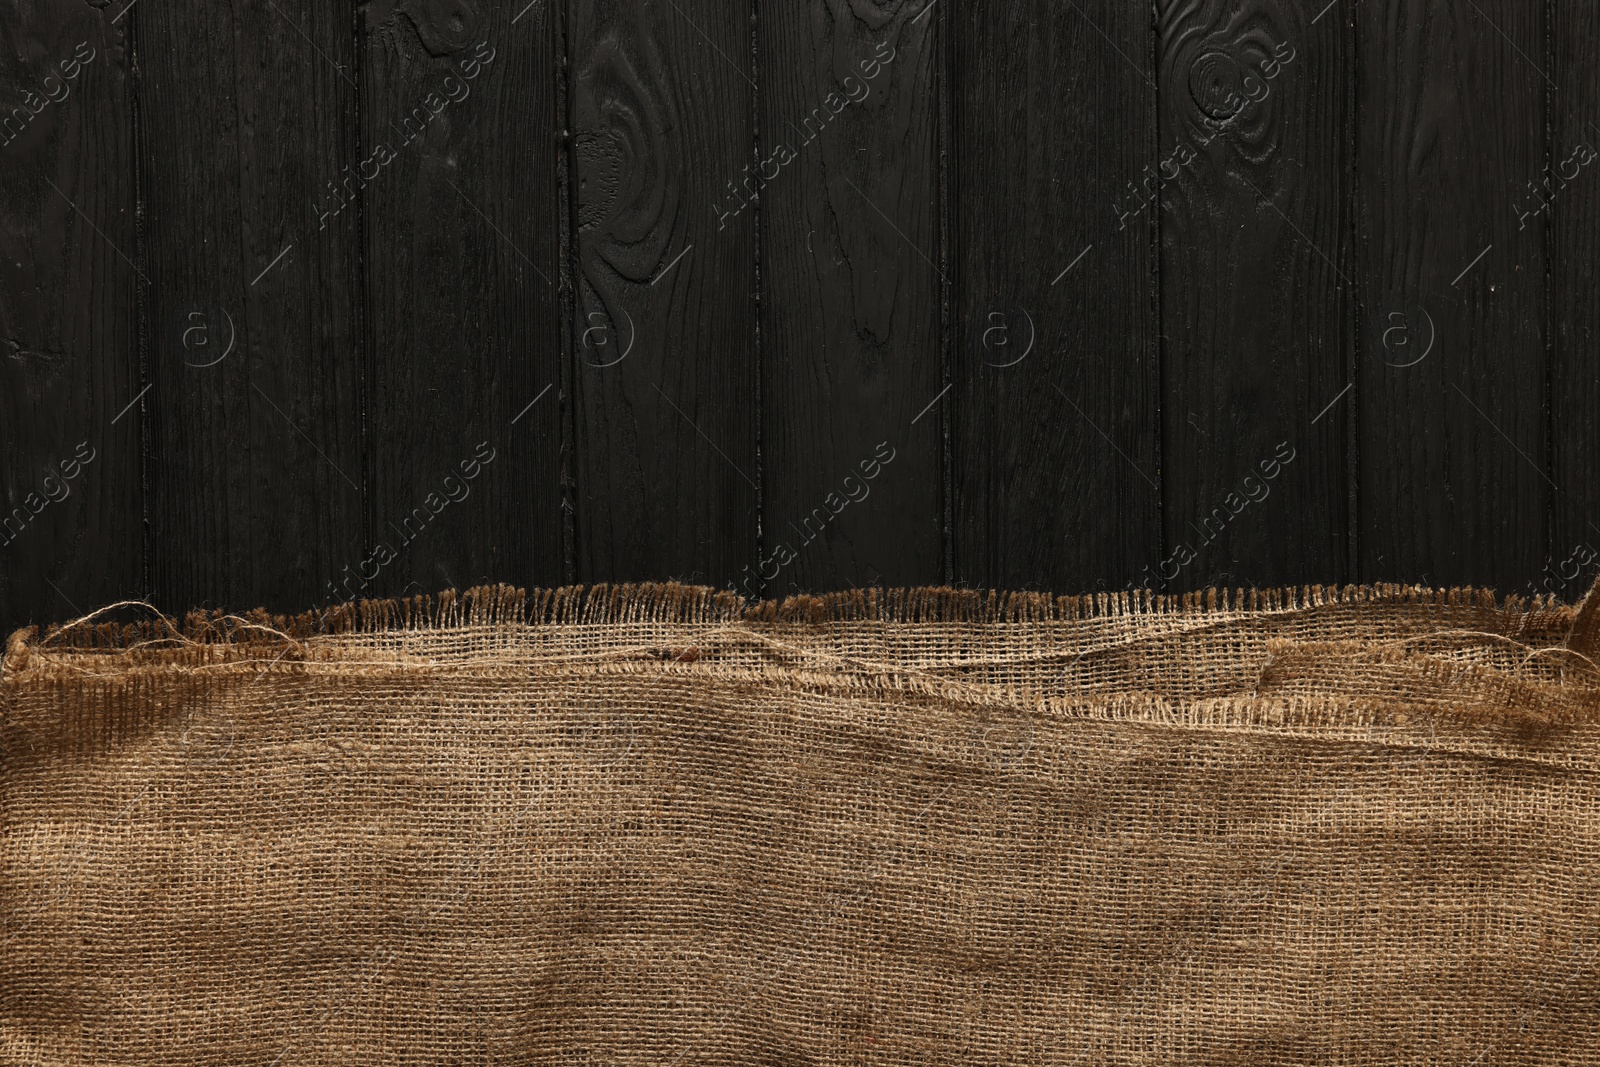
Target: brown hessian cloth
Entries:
(657, 825)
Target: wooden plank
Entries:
(664, 340)
(248, 112)
(1057, 436)
(853, 276)
(463, 223)
(1256, 296)
(70, 506)
(1454, 486)
(1571, 188)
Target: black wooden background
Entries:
(304, 301)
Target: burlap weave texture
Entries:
(651, 825)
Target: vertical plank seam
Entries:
(232, 580)
(566, 313)
(756, 221)
(1157, 343)
(1359, 260)
(1356, 323)
(945, 71)
(141, 311)
(964, 560)
(1550, 322)
(366, 356)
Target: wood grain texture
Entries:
(1055, 347)
(1571, 189)
(247, 111)
(853, 275)
(1256, 297)
(1454, 486)
(794, 297)
(664, 341)
(462, 265)
(70, 503)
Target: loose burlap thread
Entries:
(654, 825)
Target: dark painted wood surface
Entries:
(853, 275)
(462, 321)
(71, 532)
(1571, 225)
(1255, 299)
(301, 302)
(663, 360)
(253, 459)
(1453, 135)
(1055, 275)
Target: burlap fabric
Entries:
(654, 826)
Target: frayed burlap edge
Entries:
(1469, 656)
(672, 602)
